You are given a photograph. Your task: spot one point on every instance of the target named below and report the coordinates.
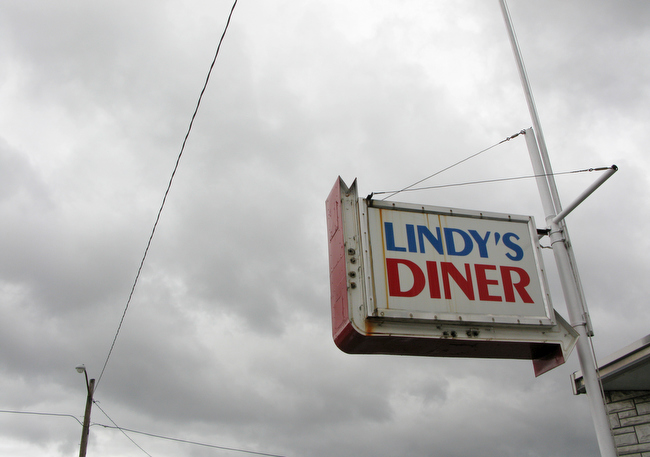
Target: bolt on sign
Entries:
(423, 280)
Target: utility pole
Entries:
(571, 287)
(90, 385)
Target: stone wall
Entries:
(629, 416)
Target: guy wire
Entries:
(487, 181)
(453, 165)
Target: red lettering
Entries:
(464, 282)
(397, 273)
(483, 282)
(434, 282)
(394, 284)
(509, 287)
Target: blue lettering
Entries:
(451, 245)
(410, 238)
(481, 242)
(518, 251)
(436, 241)
(390, 238)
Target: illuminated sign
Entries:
(423, 280)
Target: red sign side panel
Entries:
(553, 359)
(338, 274)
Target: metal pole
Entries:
(571, 286)
(576, 317)
(86, 427)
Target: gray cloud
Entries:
(227, 339)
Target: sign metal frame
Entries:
(358, 327)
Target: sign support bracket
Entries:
(583, 196)
(571, 286)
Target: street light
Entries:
(90, 385)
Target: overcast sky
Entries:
(227, 340)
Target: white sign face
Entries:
(433, 263)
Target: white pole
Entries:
(571, 287)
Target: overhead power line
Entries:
(169, 185)
(196, 443)
(153, 435)
(123, 432)
(31, 413)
